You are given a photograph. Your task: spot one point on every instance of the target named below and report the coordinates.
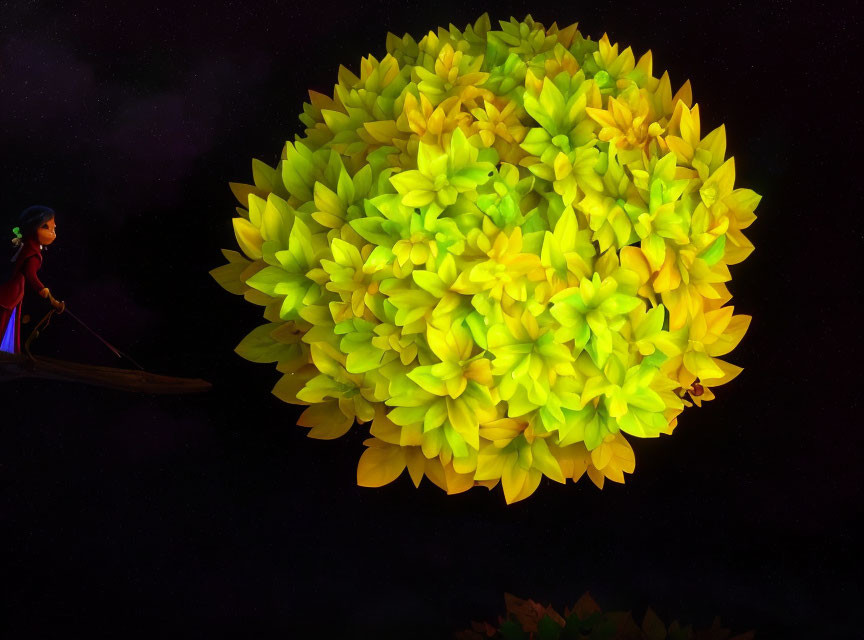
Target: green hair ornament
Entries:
(17, 242)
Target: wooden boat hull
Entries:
(24, 366)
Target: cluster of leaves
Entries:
(503, 249)
(528, 620)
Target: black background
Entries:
(124, 514)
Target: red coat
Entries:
(12, 291)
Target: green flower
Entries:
(508, 77)
(527, 356)
(628, 398)
(442, 175)
(289, 280)
(559, 109)
(660, 216)
(503, 206)
(590, 314)
(412, 235)
(447, 422)
(605, 208)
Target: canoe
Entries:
(14, 366)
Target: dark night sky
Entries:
(215, 514)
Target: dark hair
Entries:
(30, 219)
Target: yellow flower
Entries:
(517, 456)
(351, 277)
(560, 60)
(456, 368)
(611, 459)
(567, 256)
(505, 270)
(711, 334)
(498, 125)
(432, 125)
(453, 72)
(629, 121)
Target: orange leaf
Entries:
(380, 465)
(585, 606)
(326, 420)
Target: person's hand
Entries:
(59, 305)
(45, 293)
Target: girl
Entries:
(35, 230)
